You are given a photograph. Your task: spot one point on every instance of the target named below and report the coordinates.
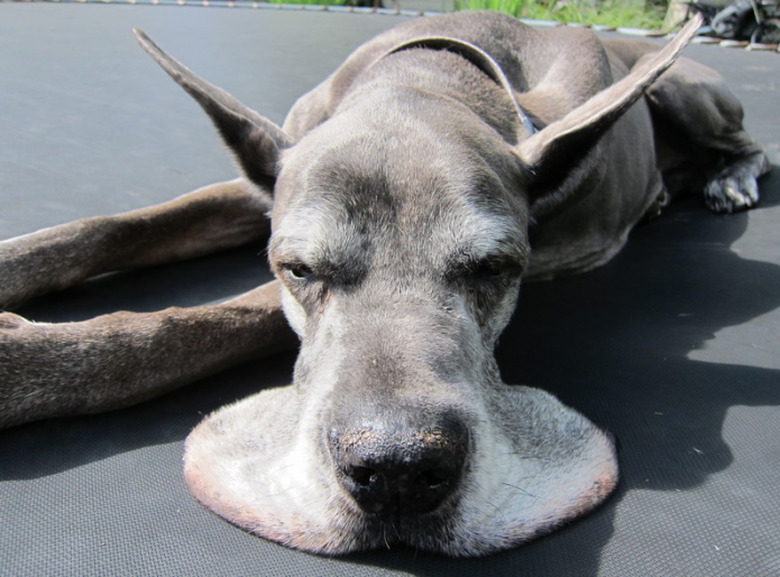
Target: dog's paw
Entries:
(735, 188)
(731, 193)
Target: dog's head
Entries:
(400, 240)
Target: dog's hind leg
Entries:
(119, 359)
(212, 218)
(700, 139)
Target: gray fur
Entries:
(410, 197)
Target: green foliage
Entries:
(607, 12)
(313, 2)
(625, 13)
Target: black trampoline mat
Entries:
(674, 346)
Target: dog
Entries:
(409, 194)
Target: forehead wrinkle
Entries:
(483, 234)
(316, 232)
(493, 218)
(471, 216)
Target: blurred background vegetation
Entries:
(647, 14)
(618, 13)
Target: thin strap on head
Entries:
(478, 58)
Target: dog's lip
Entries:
(422, 531)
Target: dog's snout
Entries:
(400, 473)
(389, 484)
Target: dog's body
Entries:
(410, 192)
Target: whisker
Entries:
(520, 489)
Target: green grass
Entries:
(312, 2)
(617, 13)
(607, 12)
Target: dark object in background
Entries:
(756, 21)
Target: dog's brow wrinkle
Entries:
(322, 237)
(481, 238)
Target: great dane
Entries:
(408, 195)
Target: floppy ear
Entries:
(256, 141)
(551, 153)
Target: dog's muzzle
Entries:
(446, 480)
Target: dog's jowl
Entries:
(410, 192)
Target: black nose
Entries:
(392, 471)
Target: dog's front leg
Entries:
(212, 218)
(118, 359)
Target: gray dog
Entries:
(408, 193)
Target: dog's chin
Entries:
(536, 464)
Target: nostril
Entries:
(362, 476)
(435, 478)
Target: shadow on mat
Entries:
(616, 343)
(613, 343)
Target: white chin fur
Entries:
(258, 465)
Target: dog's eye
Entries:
(299, 272)
(489, 269)
(493, 270)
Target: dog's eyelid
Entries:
(494, 267)
(298, 271)
(486, 268)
